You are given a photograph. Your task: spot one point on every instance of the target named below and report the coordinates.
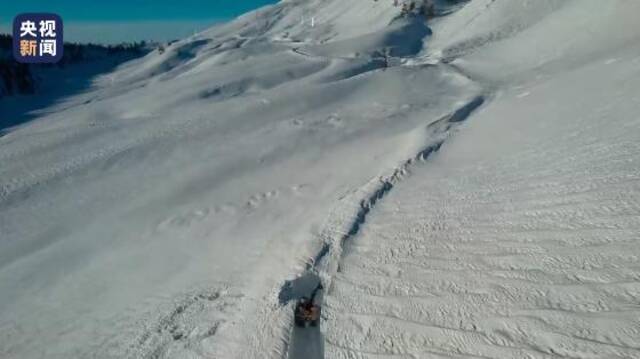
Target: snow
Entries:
(477, 198)
(52, 84)
(518, 239)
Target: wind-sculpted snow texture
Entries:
(463, 187)
(530, 252)
(519, 238)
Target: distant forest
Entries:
(18, 79)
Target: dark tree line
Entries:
(17, 78)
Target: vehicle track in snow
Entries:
(343, 227)
(344, 223)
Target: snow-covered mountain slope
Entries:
(519, 238)
(158, 215)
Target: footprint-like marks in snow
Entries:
(260, 199)
(190, 320)
(194, 216)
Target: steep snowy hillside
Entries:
(463, 186)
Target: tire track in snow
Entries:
(336, 235)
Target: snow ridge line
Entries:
(327, 260)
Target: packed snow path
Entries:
(304, 342)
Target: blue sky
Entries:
(110, 21)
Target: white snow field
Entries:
(520, 238)
(476, 193)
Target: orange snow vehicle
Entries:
(307, 313)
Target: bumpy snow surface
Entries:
(466, 186)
